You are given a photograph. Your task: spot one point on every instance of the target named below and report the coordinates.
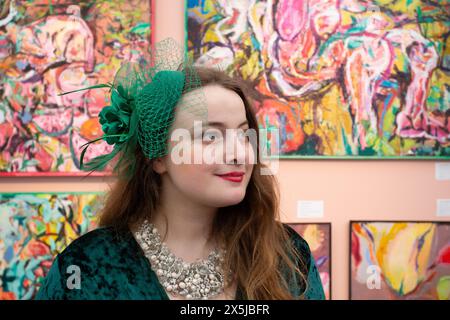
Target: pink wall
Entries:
(377, 190)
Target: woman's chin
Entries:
(230, 198)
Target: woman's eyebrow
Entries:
(222, 125)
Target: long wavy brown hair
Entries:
(256, 241)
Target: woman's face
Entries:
(201, 153)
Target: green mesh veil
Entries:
(145, 95)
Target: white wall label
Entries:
(442, 170)
(310, 209)
(443, 208)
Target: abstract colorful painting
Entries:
(336, 78)
(34, 228)
(400, 260)
(318, 236)
(50, 47)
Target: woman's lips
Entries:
(234, 177)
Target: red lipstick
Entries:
(232, 176)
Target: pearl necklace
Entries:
(197, 280)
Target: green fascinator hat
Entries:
(143, 99)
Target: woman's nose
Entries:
(236, 149)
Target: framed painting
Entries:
(34, 228)
(399, 260)
(50, 47)
(318, 236)
(336, 79)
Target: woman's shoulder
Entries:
(97, 236)
(314, 289)
(299, 242)
(98, 244)
(103, 262)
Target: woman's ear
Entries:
(159, 165)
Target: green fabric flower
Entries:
(115, 118)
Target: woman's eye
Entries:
(243, 135)
(211, 136)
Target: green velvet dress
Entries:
(113, 266)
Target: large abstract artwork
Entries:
(400, 260)
(318, 236)
(50, 47)
(336, 78)
(34, 228)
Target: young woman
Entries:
(191, 230)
